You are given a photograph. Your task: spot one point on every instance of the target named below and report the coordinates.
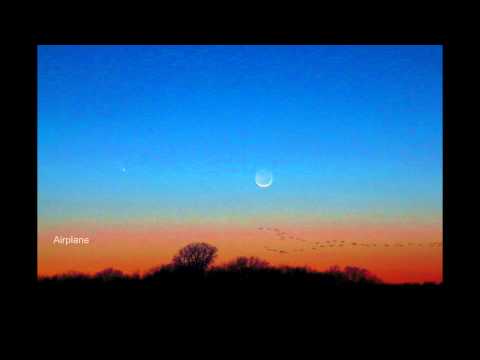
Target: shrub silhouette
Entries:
(75, 275)
(110, 274)
(356, 274)
(244, 263)
(195, 257)
(353, 274)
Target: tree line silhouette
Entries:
(193, 266)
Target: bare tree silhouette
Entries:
(195, 257)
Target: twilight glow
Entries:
(331, 154)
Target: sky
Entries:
(147, 148)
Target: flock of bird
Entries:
(317, 245)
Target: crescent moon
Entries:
(263, 178)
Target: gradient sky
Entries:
(147, 147)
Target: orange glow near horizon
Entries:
(139, 247)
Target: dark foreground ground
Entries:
(238, 297)
(236, 284)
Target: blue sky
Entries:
(179, 131)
